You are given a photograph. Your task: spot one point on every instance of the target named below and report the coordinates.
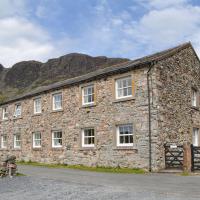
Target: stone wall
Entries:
(104, 117)
(176, 76)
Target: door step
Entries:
(171, 171)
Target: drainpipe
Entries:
(149, 109)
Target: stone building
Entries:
(119, 116)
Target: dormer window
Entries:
(17, 110)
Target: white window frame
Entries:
(58, 138)
(117, 88)
(34, 140)
(37, 107)
(4, 142)
(118, 136)
(53, 96)
(4, 112)
(194, 97)
(86, 95)
(83, 137)
(195, 136)
(18, 111)
(15, 141)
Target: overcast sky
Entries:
(43, 29)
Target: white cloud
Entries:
(22, 40)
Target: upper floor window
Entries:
(123, 87)
(17, 110)
(57, 139)
(4, 141)
(88, 95)
(57, 101)
(194, 97)
(5, 113)
(17, 141)
(37, 140)
(37, 106)
(125, 135)
(88, 137)
(195, 137)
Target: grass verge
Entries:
(20, 174)
(85, 168)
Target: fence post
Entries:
(187, 165)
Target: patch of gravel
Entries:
(35, 188)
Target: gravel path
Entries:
(65, 184)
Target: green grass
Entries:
(20, 174)
(85, 168)
(185, 174)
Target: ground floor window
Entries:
(17, 141)
(37, 140)
(125, 135)
(57, 139)
(195, 137)
(88, 137)
(4, 141)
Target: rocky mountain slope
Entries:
(27, 75)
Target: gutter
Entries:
(149, 112)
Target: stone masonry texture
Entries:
(172, 117)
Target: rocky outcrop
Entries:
(26, 75)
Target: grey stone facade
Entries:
(173, 75)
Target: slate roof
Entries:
(122, 67)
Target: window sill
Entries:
(89, 105)
(123, 99)
(134, 147)
(57, 148)
(195, 108)
(36, 114)
(55, 111)
(37, 149)
(87, 149)
(16, 149)
(15, 118)
(3, 149)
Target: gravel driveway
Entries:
(60, 184)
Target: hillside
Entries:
(27, 75)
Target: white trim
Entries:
(83, 94)
(53, 96)
(83, 138)
(118, 136)
(4, 113)
(18, 110)
(194, 98)
(34, 140)
(35, 106)
(195, 137)
(3, 146)
(122, 88)
(15, 146)
(53, 139)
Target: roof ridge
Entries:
(100, 72)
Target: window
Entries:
(5, 113)
(123, 87)
(4, 141)
(57, 101)
(37, 105)
(194, 98)
(17, 110)
(57, 139)
(36, 140)
(88, 95)
(17, 141)
(88, 137)
(125, 135)
(195, 137)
